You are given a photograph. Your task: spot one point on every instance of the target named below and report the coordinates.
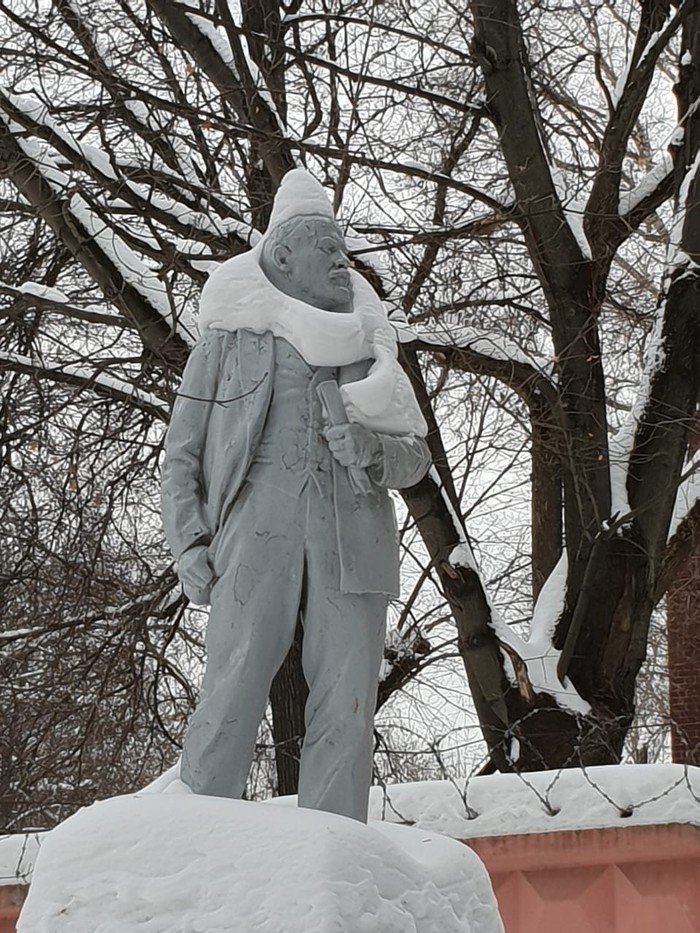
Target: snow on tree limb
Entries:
(246, 102)
(656, 183)
(123, 282)
(87, 376)
(685, 531)
(184, 220)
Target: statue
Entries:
(276, 505)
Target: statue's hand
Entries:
(196, 575)
(353, 445)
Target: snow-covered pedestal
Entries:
(177, 863)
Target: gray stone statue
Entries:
(276, 506)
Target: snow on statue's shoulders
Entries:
(545, 801)
(182, 863)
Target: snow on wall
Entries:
(545, 801)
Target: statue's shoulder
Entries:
(241, 354)
(213, 342)
(242, 337)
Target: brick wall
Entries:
(684, 660)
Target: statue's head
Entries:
(305, 257)
(303, 251)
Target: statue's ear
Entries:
(280, 257)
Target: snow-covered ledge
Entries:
(545, 801)
(17, 856)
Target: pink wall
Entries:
(11, 899)
(640, 879)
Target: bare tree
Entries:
(505, 174)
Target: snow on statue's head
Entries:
(303, 250)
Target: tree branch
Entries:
(80, 376)
(603, 227)
(155, 332)
(238, 90)
(500, 48)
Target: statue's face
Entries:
(317, 267)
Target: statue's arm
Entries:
(182, 487)
(400, 461)
(393, 461)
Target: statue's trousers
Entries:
(277, 559)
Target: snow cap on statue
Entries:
(299, 195)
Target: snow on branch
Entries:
(657, 177)
(678, 257)
(33, 115)
(642, 61)
(86, 376)
(685, 534)
(687, 497)
(52, 299)
(125, 279)
(134, 271)
(531, 663)
(145, 121)
(623, 445)
(499, 360)
(395, 84)
(573, 209)
(160, 606)
(490, 346)
(192, 30)
(538, 651)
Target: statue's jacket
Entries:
(218, 421)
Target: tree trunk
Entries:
(288, 699)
